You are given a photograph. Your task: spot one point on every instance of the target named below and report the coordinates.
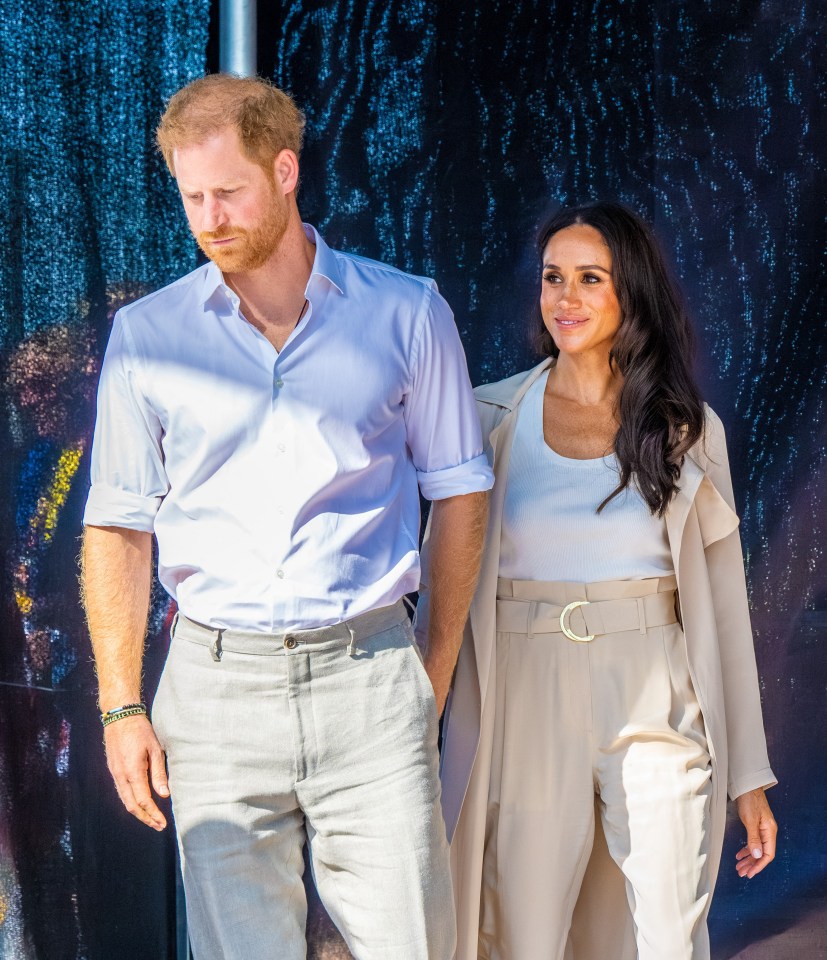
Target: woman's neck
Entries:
(585, 378)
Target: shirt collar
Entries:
(211, 281)
(325, 265)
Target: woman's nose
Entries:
(568, 294)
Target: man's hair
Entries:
(266, 119)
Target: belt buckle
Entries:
(567, 610)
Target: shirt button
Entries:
(280, 573)
(290, 642)
(279, 382)
(282, 447)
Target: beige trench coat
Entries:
(703, 536)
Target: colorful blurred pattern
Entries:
(438, 135)
(92, 222)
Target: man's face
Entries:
(235, 210)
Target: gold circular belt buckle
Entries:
(567, 610)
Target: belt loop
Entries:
(215, 647)
(413, 608)
(351, 647)
(532, 612)
(641, 613)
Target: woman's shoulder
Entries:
(711, 446)
(507, 393)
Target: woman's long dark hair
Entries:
(660, 410)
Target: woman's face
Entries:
(578, 300)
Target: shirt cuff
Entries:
(109, 507)
(762, 778)
(473, 476)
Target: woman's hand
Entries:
(757, 817)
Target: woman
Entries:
(606, 696)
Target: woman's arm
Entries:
(749, 769)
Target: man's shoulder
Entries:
(184, 292)
(359, 268)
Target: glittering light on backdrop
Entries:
(437, 136)
(91, 221)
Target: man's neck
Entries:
(272, 296)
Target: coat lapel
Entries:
(715, 517)
(505, 397)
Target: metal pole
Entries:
(237, 37)
(236, 54)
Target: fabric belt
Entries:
(585, 619)
(268, 644)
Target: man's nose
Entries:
(214, 213)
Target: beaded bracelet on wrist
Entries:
(119, 713)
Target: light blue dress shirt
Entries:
(283, 486)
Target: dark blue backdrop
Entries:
(438, 135)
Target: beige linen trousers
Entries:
(702, 528)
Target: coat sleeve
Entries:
(749, 766)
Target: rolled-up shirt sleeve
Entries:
(440, 412)
(128, 477)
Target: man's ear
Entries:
(286, 171)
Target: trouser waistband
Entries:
(582, 611)
(270, 644)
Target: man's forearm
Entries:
(116, 578)
(456, 540)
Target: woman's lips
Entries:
(569, 322)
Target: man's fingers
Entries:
(128, 799)
(158, 773)
(142, 798)
(133, 753)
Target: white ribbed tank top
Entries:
(550, 528)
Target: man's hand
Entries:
(132, 751)
(440, 675)
(762, 829)
(116, 578)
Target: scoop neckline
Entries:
(609, 460)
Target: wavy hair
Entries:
(659, 409)
(266, 118)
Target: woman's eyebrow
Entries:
(586, 266)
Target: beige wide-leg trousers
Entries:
(614, 718)
(329, 735)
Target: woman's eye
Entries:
(590, 278)
(551, 278)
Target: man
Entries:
(268, 417)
